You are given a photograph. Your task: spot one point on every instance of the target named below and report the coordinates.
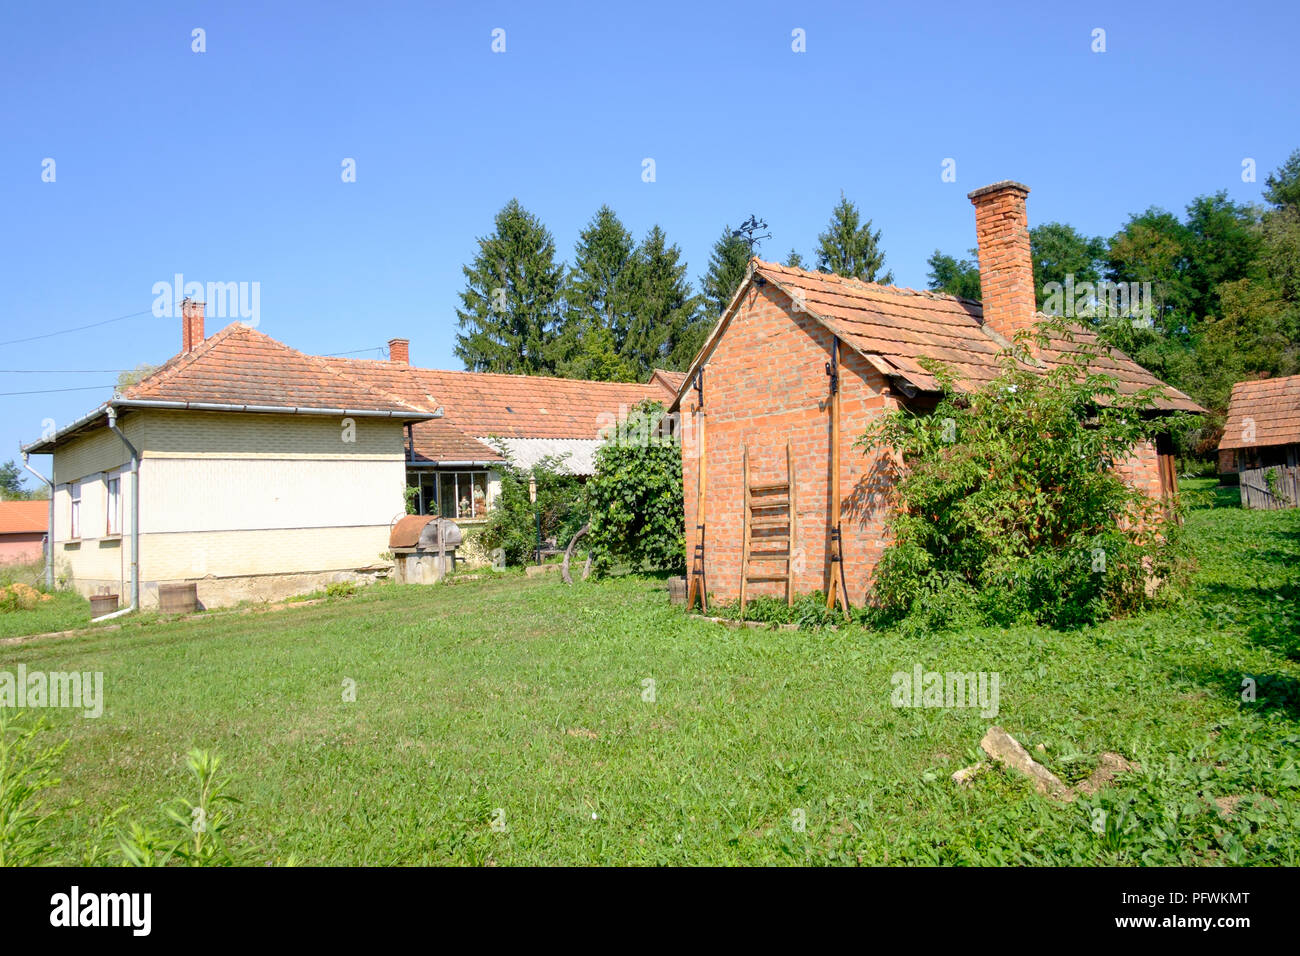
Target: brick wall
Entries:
(1142, 470)
(765, 383)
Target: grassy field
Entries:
(522, 701)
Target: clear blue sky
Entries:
(225, 165)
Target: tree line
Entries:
(1224, 279)
(624, 307)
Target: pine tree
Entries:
(599, 309)
(513, 298)
(667, 315)
(728, 265)
(849, 248)
(794, 260)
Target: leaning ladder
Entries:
(770, 510)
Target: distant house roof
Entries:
(896, 328)
(453, 414)
(24, 517)
(1263, 413)
(480, 406)
(242, 366)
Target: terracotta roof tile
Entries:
(24, 517)
(1271, 405)
(484, 404)
(905, 326)
(241, 366)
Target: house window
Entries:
(459, 495)
(113, 502)
(74, 495)
(462, 494)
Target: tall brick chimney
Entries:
(399, 350)
(1006, 266)
(191, 325)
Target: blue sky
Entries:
(225, 165)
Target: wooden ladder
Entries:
(770, 510)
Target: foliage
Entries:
(1059, 250)
(27, 771)
(503, 676)
(1008, 503)
(11, 481)
(195, 834)
(669, 327)
(849, 248)
(728, 266)
(959, 277)
(511, 308)
(512, 523)
(635, 497)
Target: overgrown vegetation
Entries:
(635, 497)
(1008, 507)
(513, 523)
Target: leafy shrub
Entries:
(27, 770)
(195, 833)
(635, 498)
(512, 523)
(1008, 506)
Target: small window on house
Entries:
(113, 502)
(463, 494)
(74, 496)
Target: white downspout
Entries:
(135, 518)
(49, 532)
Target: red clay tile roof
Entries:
(24, 517)
(896, 328)
(241, 366)
(1272, 405)
(483, 404)
(440, 440)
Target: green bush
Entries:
(512, 524)
(1007, 506)
(635, 498)
(27, 771)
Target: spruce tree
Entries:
(727, 267)
(512, 305)
(666, 313)
(849, 248)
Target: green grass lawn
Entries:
(527, 697)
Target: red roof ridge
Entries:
(183, 360)
(836, 278)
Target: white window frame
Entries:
(469, 477)
(112, 503)
(74, 510)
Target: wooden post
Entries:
(698, 588)
(748, 516)
(792, 495)
(835, 593)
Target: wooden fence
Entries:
(1258, 490)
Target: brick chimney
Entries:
(1006, 266)
(399, 350)
(191, 325)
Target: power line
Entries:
(79, 328)
(60, 371)
(47, 391)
